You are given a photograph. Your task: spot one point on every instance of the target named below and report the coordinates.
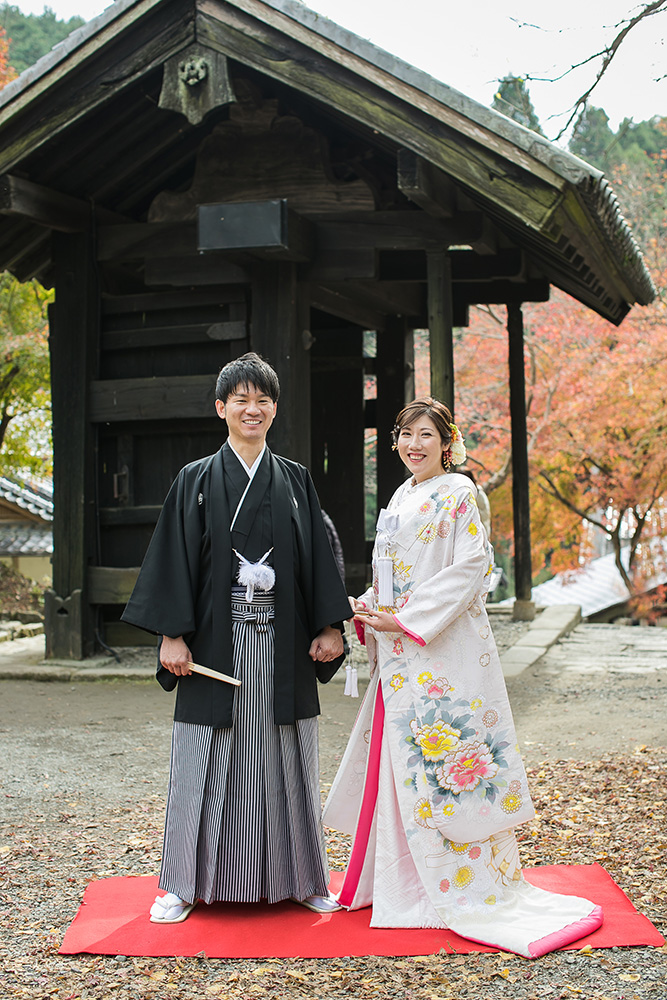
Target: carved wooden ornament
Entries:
(194, 82)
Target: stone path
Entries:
(624, 649)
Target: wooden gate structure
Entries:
(202, 177)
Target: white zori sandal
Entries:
(319, 904)
(170, 909)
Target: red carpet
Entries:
(113, 920)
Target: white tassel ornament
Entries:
(351, 687)
(255, 575)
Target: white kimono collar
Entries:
(250, 469)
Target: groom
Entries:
(243, 813)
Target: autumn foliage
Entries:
(25, 403)
(597, 411)
(7, 72)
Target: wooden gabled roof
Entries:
(83, 128)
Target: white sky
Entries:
(471, 43)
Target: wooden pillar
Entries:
(524, 607)
(439, 274)
(73, 339)
(409, 367)
(390, 370)
(279, 332)
(337, 463)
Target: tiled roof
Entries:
(36, 499)
(25, 539)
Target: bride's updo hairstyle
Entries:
(426, 406)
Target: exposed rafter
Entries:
(49, 208)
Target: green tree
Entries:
(592, 139)
(25, 399)
(512, 99)
(595, 142)
(33, 35)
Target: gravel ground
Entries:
(82, 791)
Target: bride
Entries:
(432, 784)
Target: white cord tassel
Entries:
(256, 574)
(351, 687)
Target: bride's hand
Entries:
(380, 621)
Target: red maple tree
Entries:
(7, 72)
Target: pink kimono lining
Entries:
(368, 802)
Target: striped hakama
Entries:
(243, 816)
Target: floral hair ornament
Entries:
(457, 447)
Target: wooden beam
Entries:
(111, 584)
(487, 241)
(390, 298)
(280, 317)
(164, 240)
(188, 272)
(410, 265)
(440, 328)
(402, 265)
(170, 397)
(49, 208)
(341, 265)
(470, 266)
(343, 304)
(159, 336)
(355, 235)
(502, 292)
(185, 299)
(520, 469)
(147, 240)
(145, 514)
(396, 230)
(425, 185)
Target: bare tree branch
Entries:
(557, 495)
(606, 54)
(656, 7)
(499, 477)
